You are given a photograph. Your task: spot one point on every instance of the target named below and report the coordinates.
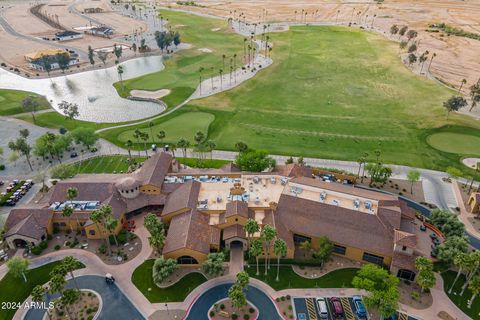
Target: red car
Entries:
(336, 307)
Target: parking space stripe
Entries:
(312, 313)
(347, 309)
(402, 316)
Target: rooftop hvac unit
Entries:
(335, 202)
(323, 196)
(356, 204)
(368, 205)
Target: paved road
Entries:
(115, 304)
(256, 296)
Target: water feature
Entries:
(97, 99)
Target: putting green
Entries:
(455, 143)
(182, 126)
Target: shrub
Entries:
(282, 298)
(246, 316)
(251, 310)
(57, 247)
(102, 249)
(212, 313)
(415, 295)
(36, 250)
(277, 299)
(222, 306)
(49, 237)
(2, 167)
(234, 316)
(43, 245)
(290, 307)
(288, 297)
(68, 243)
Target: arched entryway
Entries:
(186, 260)
(20, 243)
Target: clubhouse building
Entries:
(205, 211)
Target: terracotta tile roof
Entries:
(236, 208)
(185, 196)
(29, 222)
(403, 261)
(403, 238)
(294, 170)
(87, 191)
(341, 225)
(347, 189)
(234, 231)
(188, 230)
(154, 169)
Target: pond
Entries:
(93, 91)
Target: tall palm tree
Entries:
(200, 70)
(461, 261)
(183, 144)
(221, 78)
(268, 234)
(72, 193)
(464, 81)
(161, 135)
(251, 227)
(111, 225)
(245, 50)
(431, 60)
(223, 60)
(280, 249)
(38, 292)
(67, 212)
(129, 145)
(120, 72)
(235, 67)
(256, 248)
(474, 287)
(70, 264)
(144, 136)
(137, 134)
(150, 126)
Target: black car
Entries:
(10, 202)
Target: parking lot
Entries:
(306, 308)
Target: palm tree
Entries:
(70, 264)
(235, 67)
(210, 144)
(473, 266)
(251, 227)
(474, 286)
(221, 78)
(98, 217)
(151, 125)
(461, 261)
(144, 136)
(280, 249)
(183, 144)
(268, 234)
(245, 50)
(38, 292)
(431, 60)
(256, 248)
(161, 135)
(306, 246)
(223, 60)
(120, 73)
(111, 225)
(137, 134)
(173, 148)
(129, 145)
(67, 212)
(464, 81)
(200, 70)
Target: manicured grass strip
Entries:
(105, 164)
(142, 279)
(341, 278)
(11, 102)
(185, 125)
(206, 163)
(460, 301)
(455, 143)
(16, 290)
(55, 120)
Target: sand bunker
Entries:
(471, 162)
(215, 29)
(205, 50)
(150, 94)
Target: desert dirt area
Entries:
(21, 31)
(456, 58)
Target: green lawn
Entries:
(184, 125)
(341, 278)
(181, 70)
(460, 301)
(455, 142)
(105, 164)
(55, 120)
(16, 290)
(205, 163)
(11, 102)
(142, 279)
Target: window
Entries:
(91, 232)
(339, 249)
(299, 239)
(406, 274)
(372, 258)
(186, 260)
(63, 224)
(236, 219)
(404, 248)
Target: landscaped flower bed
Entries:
(223, 309)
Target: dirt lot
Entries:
(457, 57)
(19, 18)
